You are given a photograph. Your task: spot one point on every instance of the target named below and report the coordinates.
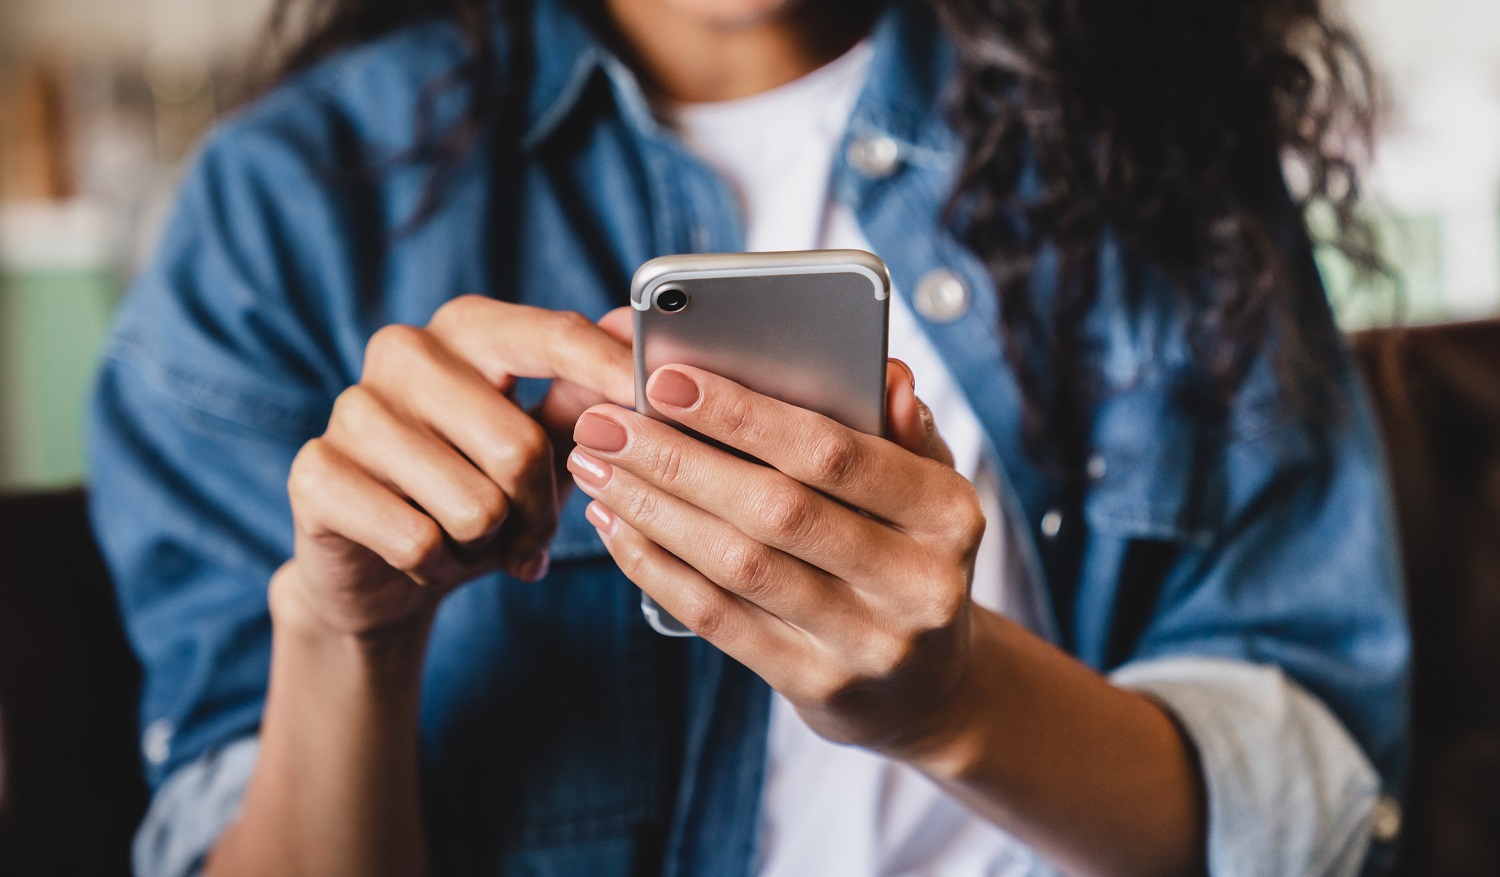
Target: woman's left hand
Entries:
(839, 572)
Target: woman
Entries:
(1116, 597)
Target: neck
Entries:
(693, 58)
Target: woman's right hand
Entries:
(429, 473)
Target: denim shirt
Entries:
(560, 734)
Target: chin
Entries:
(733, 13)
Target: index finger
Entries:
(502, 340)
(865, 471)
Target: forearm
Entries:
(1097, 779)
(335, 789)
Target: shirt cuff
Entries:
(1290, 793)
(192, 809)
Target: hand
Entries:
(429, 473)
(839, 572)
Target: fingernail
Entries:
(674, 389)
(600, 517)
(599, 433)
(911, 377)
(535, 569)
(589, 470)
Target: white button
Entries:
(1385, 819)
(1052, 524)
(941, 296)
(156, 741)
(875, 157)
(1097, 467)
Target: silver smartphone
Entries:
(809, 328)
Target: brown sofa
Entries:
(70, 789)
(1437, 390)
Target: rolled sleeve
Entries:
(1290, 792)
(192, 809)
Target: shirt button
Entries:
(875, 157)
(156, 741)
(941, 296)
(1385, 819)
(1052, 524)
(1097, 467)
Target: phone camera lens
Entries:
(671, 300)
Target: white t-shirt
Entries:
(831, 810)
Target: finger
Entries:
(419, 465)
(733, 624)
(500, 340)
(560, 409)
(337, 500)
(867, 472)
(784, 586)
(909, 422)
(429, 384)
(620, 323)
(760, 502)
(565, 401)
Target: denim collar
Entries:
(913, 64)
(567, 55)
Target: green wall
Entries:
(52, 323)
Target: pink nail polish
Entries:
(674, 389)
(595, 473)
(599, 433)
(535, 569)
(600, 517)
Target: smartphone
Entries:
(808, 328)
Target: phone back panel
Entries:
(808, 328)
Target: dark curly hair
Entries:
(1160, 122)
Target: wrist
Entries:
(394, 649)
(957, 737)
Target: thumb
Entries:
(908, 422)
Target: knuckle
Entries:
(735, 417)
(965, 517)
(520, 449)
(571, 322)
(833, 457)
(529, 444)
(666, 460)
(643, 507)
(482, 513)
(787, 513)
(459, 311)
(309, 468)
(393, 345)
(354, 407)
(890, 654)
(705, 613)
(941, 606)
(746, 567)
(415, 545)
(631, 559)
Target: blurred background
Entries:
(102, 100)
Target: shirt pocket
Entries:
(1157, 467)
